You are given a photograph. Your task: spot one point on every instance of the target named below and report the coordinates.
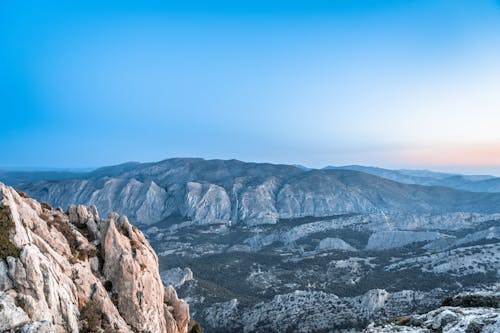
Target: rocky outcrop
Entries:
(176, 276)
(465, 318)
(313, 311)
(207, 203)
(329, 243)
(393, 239)
(77, 272)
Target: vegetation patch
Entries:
(22, 194)
(7, 249)
(473, 301)
(45, 205)
(194, 327)
(65, 228)
(92, 319)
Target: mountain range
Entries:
(474, 183)
(258, 247)
(231, 191)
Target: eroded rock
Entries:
(77, 272)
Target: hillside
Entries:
(218, 191)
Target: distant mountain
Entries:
(224, 191)
(473, 183)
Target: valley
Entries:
(275, 248)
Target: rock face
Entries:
(176, 276)
(216, 191)
(330, 243)
(79, 273)
(394, 239)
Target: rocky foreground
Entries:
(77, 272)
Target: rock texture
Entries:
(308, 311)
(394, 239)
(78, 272)
(447, 319)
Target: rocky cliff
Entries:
(78, 272)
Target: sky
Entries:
(397, 84)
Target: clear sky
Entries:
(395, 84)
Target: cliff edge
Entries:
(78, 272)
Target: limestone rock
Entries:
(330, 243)
(445, 319)
(77, 271)
(176, 276)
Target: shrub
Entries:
(402, 321)
(472, 301)
(90, 318)
(65, 228)
(7, 249)
(45, 205)
(194, 327)
(92, 252)
(22, 194)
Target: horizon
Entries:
(393, 84)
(85, 169)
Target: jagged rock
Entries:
(49, 286)
(179, 308)
(207, 203)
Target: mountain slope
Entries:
(215, 191)
(473, 183)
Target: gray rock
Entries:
(393, 239)
(176, 276)
(330, 243)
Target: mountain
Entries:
(219, 191)
(78, 272)
(256, 247)
(473, 183)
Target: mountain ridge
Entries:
(231, 191)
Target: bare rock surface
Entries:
(77, 272)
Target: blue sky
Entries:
(387, 83)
